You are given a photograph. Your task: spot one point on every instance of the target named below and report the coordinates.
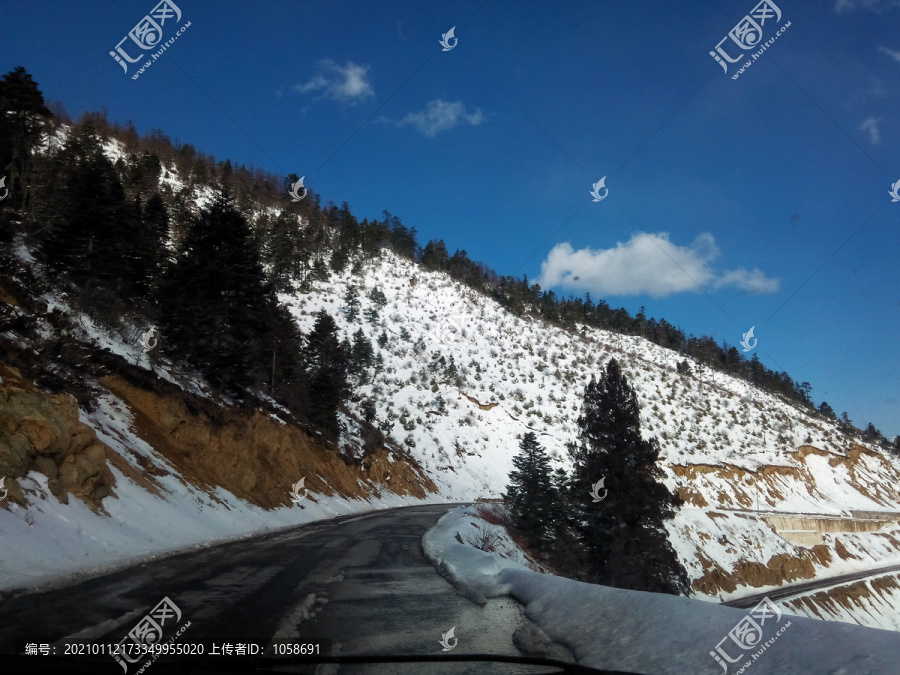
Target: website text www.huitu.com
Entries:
(163, 48)
(756, 55)
(766, 644)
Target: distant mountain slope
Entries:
(725, 445)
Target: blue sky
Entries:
(757, 201)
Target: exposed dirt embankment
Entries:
(779, 569)
(728, 486)
(740, 488)
(850, 598)
(483, 406)
(41, 432)
(253, 456)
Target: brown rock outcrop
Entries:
(254, 456)
(41, 432)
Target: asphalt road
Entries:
(798, 589)
(361, 581)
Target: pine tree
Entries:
(377, 297)
(529, 496)
(216, 307)
(23, 116)
(361, 353)
(622, 534)
(326, 372)
(435, 256)
(845, 424)
(351, 305)
(93, 232)
(566, 552)
(282, 249)
(371, 315)
(827, 411)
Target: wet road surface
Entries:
(361, 581)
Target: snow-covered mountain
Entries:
(773, 493)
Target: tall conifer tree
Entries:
(530, 495)
(622, 533)
(216, 305)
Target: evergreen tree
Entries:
(339, 260)
(216, 305)
(383, 339)
(827, 411)
(94, 234)
(872, 435)
(23, 116)
(529, 496)
(282, 249)
(371, 315)
(378, 298)
(351, 305)
(143, 255)
(319, 270)
(361, 352)
(326, 372)
(845, 424)
(565, 554)
(435, 256)
(622, 534)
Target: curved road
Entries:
(362, 581)
(797, 589)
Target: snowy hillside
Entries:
(772, 492)
(725, 445)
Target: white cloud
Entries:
(647, 263)
(876, 6)
(871, 125)
(440, 115)
(347, 83)
(890, 52)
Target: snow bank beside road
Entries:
(652, 633)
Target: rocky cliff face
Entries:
(41, 432)
(250, 454)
